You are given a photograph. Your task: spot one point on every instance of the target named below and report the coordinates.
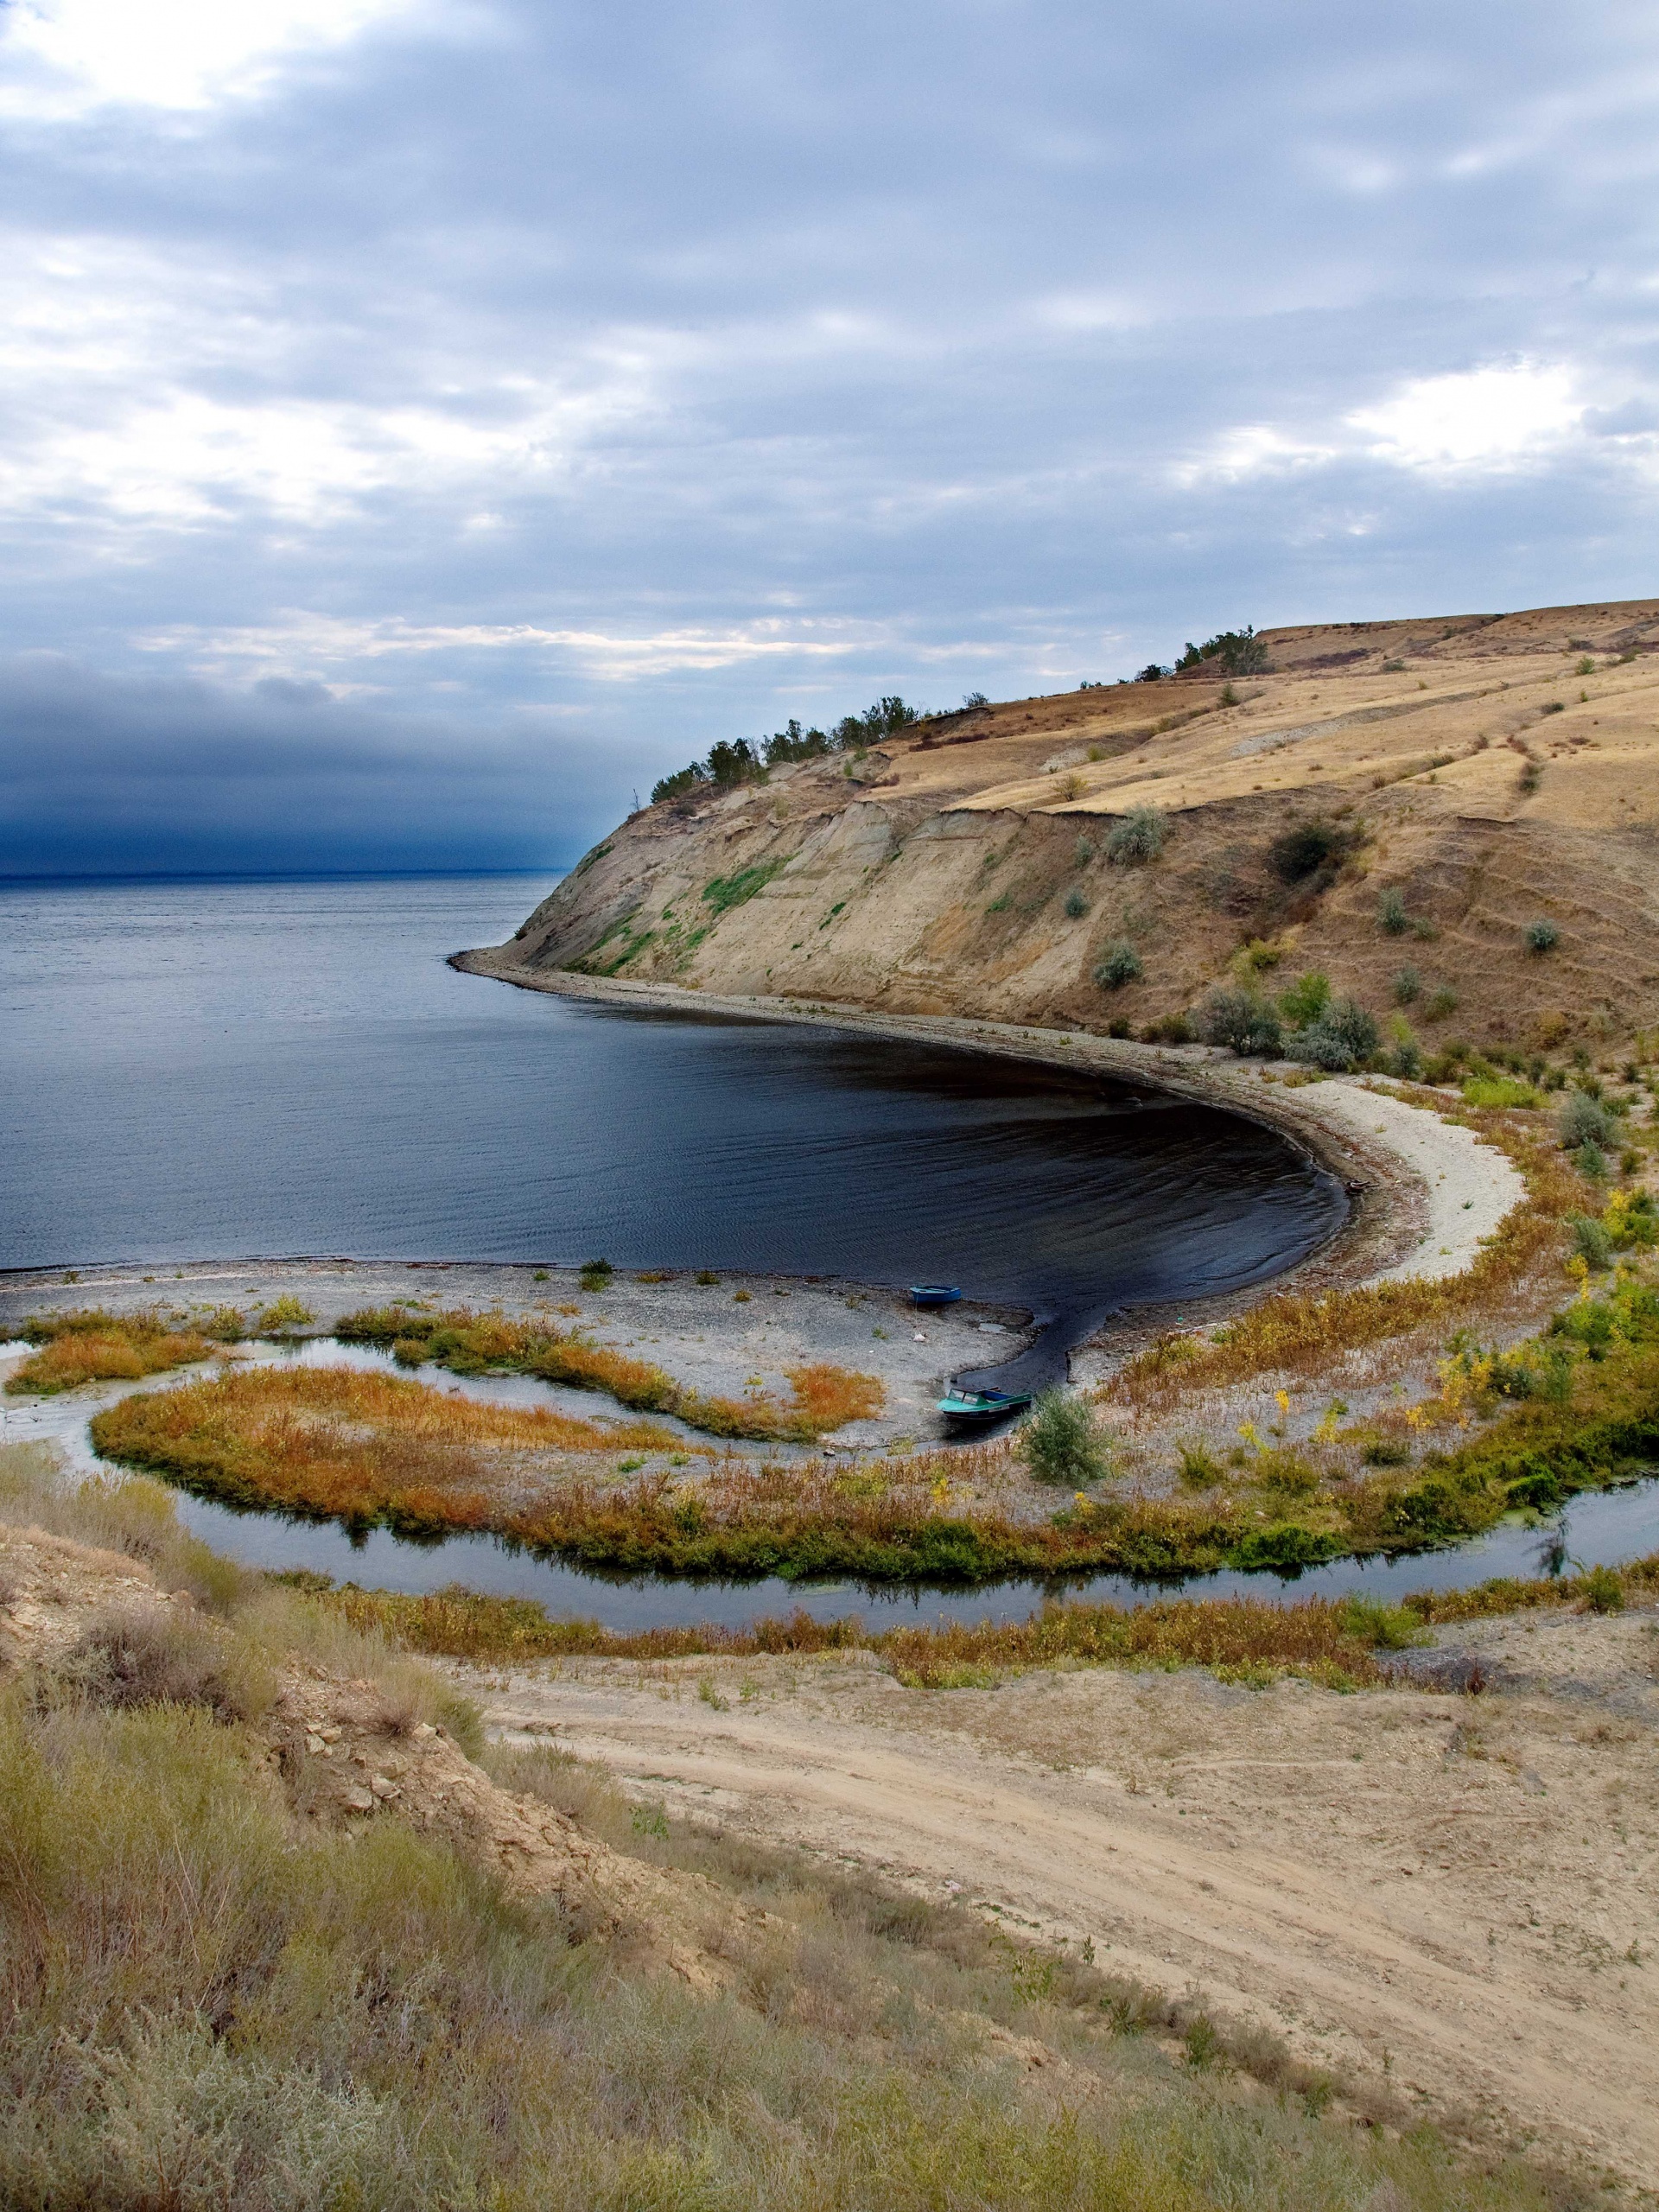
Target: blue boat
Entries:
(960, 1404)
(933, 1293)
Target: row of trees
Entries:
(740, 761)
(1234, 652)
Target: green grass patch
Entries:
(722, 892)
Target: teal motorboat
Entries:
(960, 1404)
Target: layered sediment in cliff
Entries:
(1465, 779)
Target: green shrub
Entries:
(1591, 1240)
(1581, 1119)
(1542, 937)
(1386, 1452)
(1063, 1443)
(1075, 905)
(1198, 1467)
(1241, 1021)
(1603, 1591)
(1138, 836)
(1443, 1001)
(1499, 1091)
(1343, 1037)
(1383, 1626)
(1306, 999)
(1406, 986)
(283, 1313)
(1391, 916)
(596, 1274)
(1122, 965)
(1406, 1060)
(1236, 652)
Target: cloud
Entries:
(165, 54)
(159, 775)
(502, 367)
(304, 640)
(1499, 417)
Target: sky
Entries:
(427, 422)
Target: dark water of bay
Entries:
(204, 1070)
(199, 1070)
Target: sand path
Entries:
(1460, 1910)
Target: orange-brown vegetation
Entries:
(363, 1447)
(1301, 1333)
(93, 1346)
(1333, 1641)
(822, 1397)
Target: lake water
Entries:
(229, 1069)
(220, 1070)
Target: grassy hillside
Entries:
(228, 1983)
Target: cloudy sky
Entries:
(427, 421)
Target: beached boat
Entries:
(958, 1404)
(934, 1294)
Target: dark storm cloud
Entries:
(648, 375)
(163, 775)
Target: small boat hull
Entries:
(934, 1294)
(983, 1405)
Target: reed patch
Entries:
(90, 1345)
(822, 1397)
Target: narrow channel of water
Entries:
(1599, 1528)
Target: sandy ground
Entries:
(1452, 1897)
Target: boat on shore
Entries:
(960, 1404)
(934, 1294)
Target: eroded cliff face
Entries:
(1475, 767)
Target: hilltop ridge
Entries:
(1462, 777)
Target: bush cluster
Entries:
(1137, 835)
(1234, 652)
(741, 760)
(1304, 1023)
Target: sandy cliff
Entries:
(1491, 770)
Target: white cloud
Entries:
(302, 642)
(1479, 419)
(1251, 449)
(63, 57)
(187, 459)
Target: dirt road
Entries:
(1458, 1896)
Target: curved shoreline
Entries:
(1424, 1194)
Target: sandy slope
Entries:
(1488, 777)
(1457, 1897)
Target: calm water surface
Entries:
(202, 1070)
(215, 1069)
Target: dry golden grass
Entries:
(1302, 1333)
(93, 1346)
(360, 1447)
